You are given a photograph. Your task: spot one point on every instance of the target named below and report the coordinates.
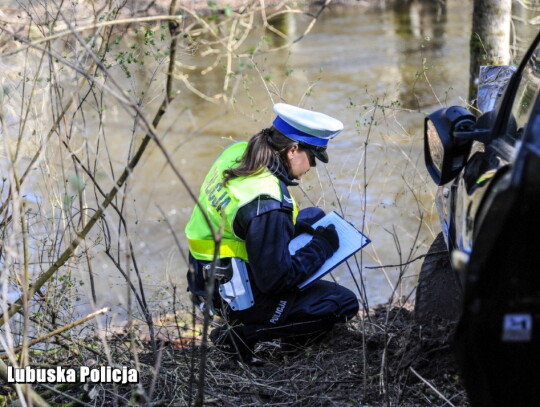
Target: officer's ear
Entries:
(292, 151)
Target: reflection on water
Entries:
(379, 70)
(420, 19)
(420, 27)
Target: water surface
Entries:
(379, 70)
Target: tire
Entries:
(439, 292)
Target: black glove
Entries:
(303, 227)
(328, 237)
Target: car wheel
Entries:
(439, 292)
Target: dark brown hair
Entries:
(259, 152)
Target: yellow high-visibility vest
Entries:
(221, 204)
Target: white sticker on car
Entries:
(517, 328)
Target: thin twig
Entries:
(73, 30)
(407, 262)
(59, 330)
(431, 387)
(69, 397)
(35, 398)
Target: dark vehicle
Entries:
(488, 254)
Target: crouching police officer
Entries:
(246, 194)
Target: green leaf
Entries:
(228, 10)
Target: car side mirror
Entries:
(445, 149)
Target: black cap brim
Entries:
(320, 154)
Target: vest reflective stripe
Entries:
(227, 248)
(222, 203)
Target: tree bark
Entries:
(490, 37)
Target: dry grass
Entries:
(384, 359)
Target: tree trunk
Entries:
(490, 37)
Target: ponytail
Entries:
(261, 149)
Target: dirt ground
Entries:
(384, 359)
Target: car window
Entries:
(524, 99)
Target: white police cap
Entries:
(306, 126)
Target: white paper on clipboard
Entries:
(350, 241)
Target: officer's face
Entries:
(300, 161)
